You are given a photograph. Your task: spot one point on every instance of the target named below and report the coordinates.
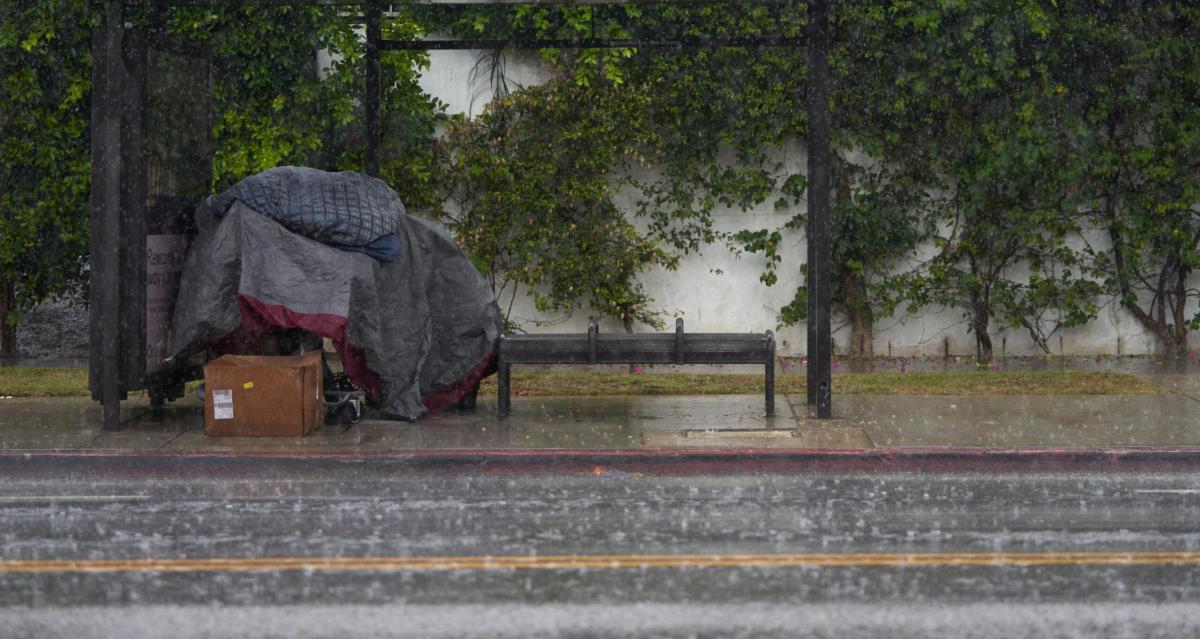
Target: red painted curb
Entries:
(648, 461)
(638, 453)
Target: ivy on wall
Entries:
(275, 104)
(1002, 135)
(272, 105)
(980, 147)
(531, 183)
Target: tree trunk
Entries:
(1040, 340)
(862, 318)
(1180, 329)
(627, 322)
(8, 332)
(851, 285)
(1156, 325)
(983, 341)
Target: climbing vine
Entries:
(531, 184)
(1024, 163)
(288, 85)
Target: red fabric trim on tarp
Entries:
(259, 318)
(438, 400)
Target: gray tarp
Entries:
(422, 330)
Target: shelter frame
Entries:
(117, 332)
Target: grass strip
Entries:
(29, 381)
(537, 383)
(20, 381)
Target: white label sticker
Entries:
(223, 404)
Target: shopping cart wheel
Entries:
(352, 411)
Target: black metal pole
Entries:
(372, 102)
(819, 239)
(105, 326)
(132, 273)
(679, 340)
(503, 380)
(769, 380)
(810, 261)
(96, 203)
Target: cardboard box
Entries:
(263, 396)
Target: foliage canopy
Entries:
(1024, 163)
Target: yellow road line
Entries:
(591, 562)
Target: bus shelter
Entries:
(152, 162)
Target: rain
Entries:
(599, 319)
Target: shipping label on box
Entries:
(223, 404)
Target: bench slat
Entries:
(545, 349)
(638, 348)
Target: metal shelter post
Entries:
(820, 344)
(372, 102)
(118, 201)
(112, 83)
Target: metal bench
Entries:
(636, 348)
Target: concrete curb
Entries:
(602, 462)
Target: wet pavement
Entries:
(1169, 419)
(1064, 421)
(574, 423)
(918, 620)
(314, 547)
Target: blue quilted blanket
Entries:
(346, 210)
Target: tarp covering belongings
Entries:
(416, 328)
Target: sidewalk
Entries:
(732, 422)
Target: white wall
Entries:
(453, 79)
(736, 301)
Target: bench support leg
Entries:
(503, 399)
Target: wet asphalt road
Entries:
(194, 511)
